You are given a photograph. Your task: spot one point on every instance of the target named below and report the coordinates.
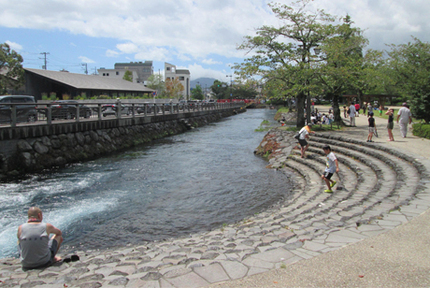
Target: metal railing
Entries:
(21, 114)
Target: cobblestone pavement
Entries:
(379, 188)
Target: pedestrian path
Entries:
(381, 186)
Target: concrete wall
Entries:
(29, 149)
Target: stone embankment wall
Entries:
(52, 151)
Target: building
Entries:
(140, 71)
(183, 75)
(71, 85)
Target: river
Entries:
(183, 184)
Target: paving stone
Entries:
(212, 273)
(191, 280)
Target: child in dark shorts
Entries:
(332, 166)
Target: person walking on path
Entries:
(332, 166)
(404, 117)
(304, 134)
(372, 127)
(352, 114)
(390, 125)
(35, 248)
(364, 108)
(357, 109)
(369, 108)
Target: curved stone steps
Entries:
(315, 193)
(366, 203)
(329, 205)
(383, 172)
(401, 167)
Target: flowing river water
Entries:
(187, 183)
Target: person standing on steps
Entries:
(390, 125)
(404, 117)
(304, 134)
(352, 114)
(372, 127)
(332, 166)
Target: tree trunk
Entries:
(336, 110)
(300, 122)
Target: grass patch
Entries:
(264, 126)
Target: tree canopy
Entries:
(410, 66)
(11, 71)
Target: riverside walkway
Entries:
(372, 231)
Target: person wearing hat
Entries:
(404, 117)
(304, 134)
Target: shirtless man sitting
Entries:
(35, 248)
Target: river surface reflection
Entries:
(192, 182)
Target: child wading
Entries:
(332, 166)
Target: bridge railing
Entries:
(13, 114)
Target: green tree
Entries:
(220, 90)
(155, 81)
(284, 54)
(128, 76)
(343, 66)
(11, 71)
(410, 64)
(197, 93)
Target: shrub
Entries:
(421, 130)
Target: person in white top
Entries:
(352, 114)
(304, 134)
(404, 117)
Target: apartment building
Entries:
(183, 75)
(140, 71)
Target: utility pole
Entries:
(44, 53)
(95, 71)
(86, 67)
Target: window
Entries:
(107, 74)
(104, 74)
(168, 68)
(181, 78)
(117, 73)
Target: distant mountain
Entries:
(203, 82)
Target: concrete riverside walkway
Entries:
(371, 232)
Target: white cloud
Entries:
(198, 71)
(128, 48)
(111, 53)
(192, 30)
(86, 59)
(14, 46)
(210, 61)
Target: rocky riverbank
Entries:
(378, 189)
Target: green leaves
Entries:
(12, 75)
(410, 66)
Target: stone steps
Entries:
(374, 181)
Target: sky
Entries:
(201, 35)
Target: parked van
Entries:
(24, 113)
